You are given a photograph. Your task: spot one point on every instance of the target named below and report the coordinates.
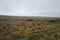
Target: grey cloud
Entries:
(30, 7)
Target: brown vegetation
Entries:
(11, 29)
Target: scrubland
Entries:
(29, 29)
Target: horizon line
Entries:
(27, 16)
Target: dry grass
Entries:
(29, 29)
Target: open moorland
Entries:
(29, 28)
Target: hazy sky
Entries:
(30, 7)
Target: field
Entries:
(29, 29)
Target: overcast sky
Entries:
(30, 7)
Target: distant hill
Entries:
(29, 17)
